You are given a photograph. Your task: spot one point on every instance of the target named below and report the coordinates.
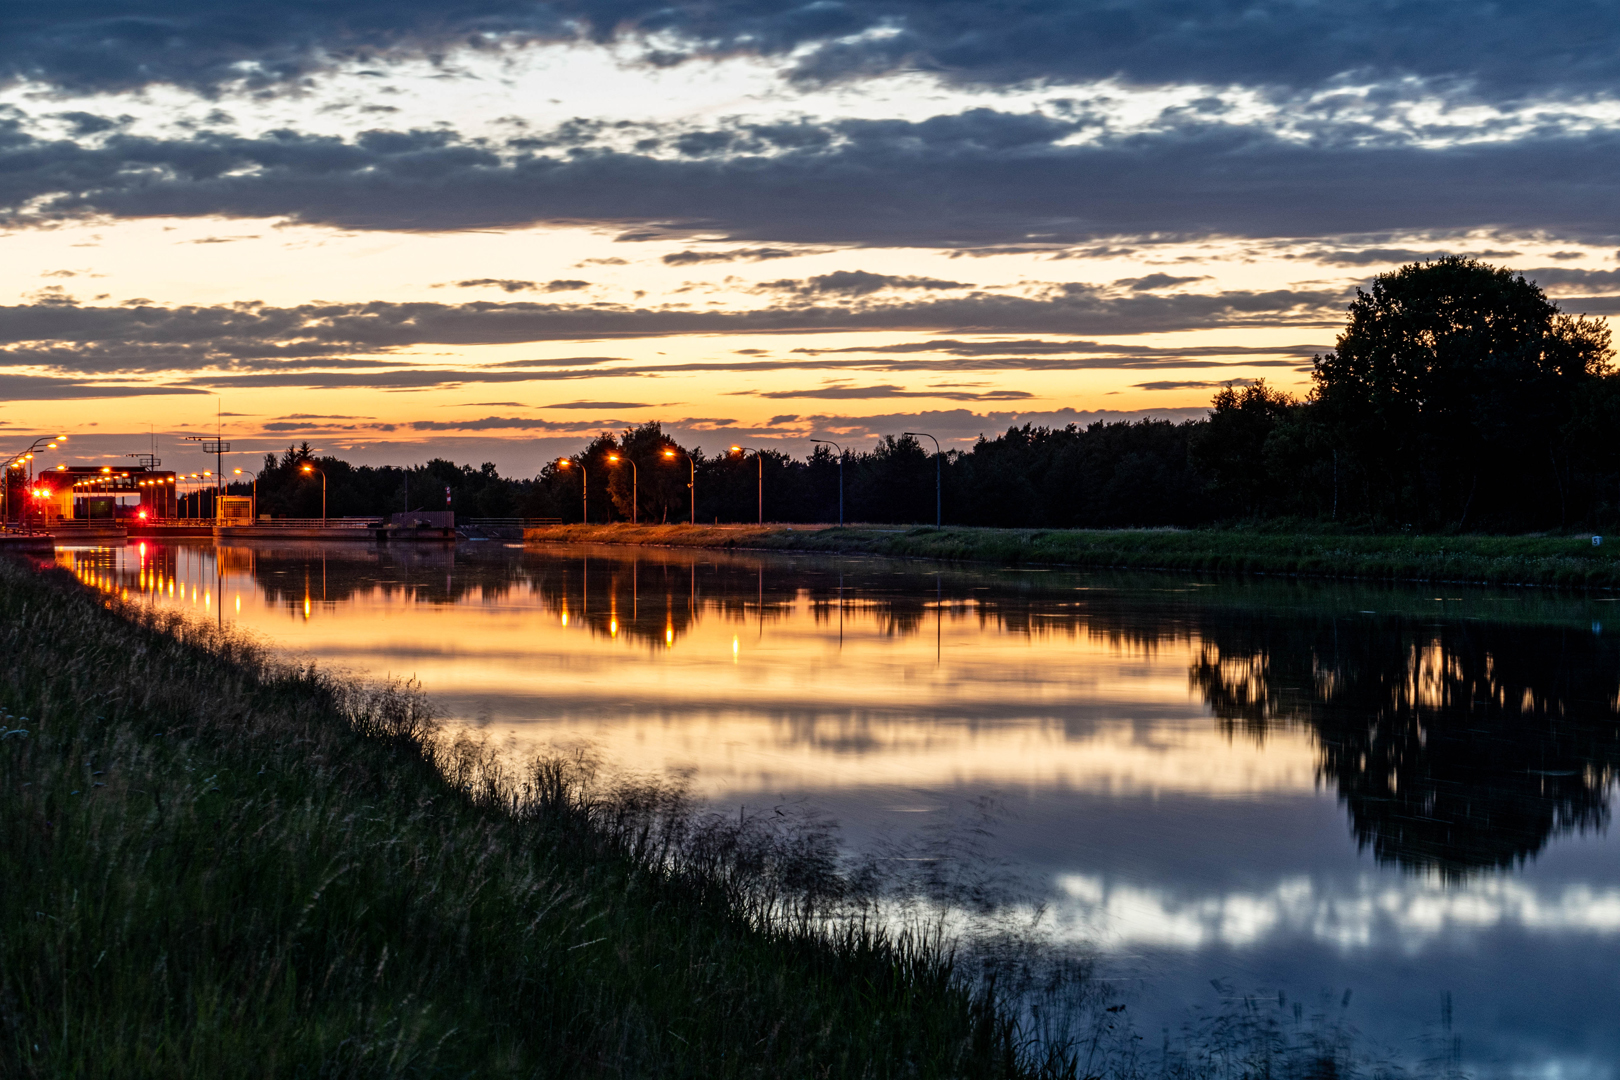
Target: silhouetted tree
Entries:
(1451, 386)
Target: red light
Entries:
(143, 515)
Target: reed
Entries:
(219, 864)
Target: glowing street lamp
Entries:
(760, 460)
(255, 492)
(635, 483)
(691, 484)
(313, 469)
(584, 488)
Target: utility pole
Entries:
(216, 446)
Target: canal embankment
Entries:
(218, 862)
(1546, 560)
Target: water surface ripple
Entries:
(1222, 786)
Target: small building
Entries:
(235, 510)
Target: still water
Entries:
(1218, 786)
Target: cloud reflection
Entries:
(1414, 912)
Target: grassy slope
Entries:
(215, 867)
(1526, 560)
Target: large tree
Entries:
(1449, 389)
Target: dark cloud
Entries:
(1193, 385)
(1157, 281)
(561, 361)
(282, 427)
(856, 283)
(1591, 305)
(1569, 276)
(408, 379)
(597, 405)
(978, 178)
(964, 425)
(47, 388)
(513, 423)
(510, 285)
(890, 391)
(1375, 256)
(1490, 50)
(1071, 347)
(758, 254)
(245, 340)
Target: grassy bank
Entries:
(1499, 560)
(216, 865)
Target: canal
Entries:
(1391, 804)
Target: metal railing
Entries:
(257, 523)
(509, 522)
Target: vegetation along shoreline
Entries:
(1560, 561)
(219, 863)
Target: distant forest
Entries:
(1458, 396)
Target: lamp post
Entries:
(939, 515)
(760, 460)
(635, 485)
(313, 469)
(691, 484)
(255, 493)
(584, 484)
(840, 449)
(24, 459)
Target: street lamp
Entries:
(313, 469)
(635, 484)
(584, 485)
(939, 516)
(758, 458)
(24, 459)
(255, 493)
(691, 484)
(840, 449)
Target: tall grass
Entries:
(1569, 561)
(215, 864)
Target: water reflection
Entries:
(1287, 783)
(1455, 745)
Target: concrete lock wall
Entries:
(430, 519)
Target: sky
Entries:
(490, 229)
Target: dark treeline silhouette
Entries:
(285, 489)
(1457, 397)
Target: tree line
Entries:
(1457, 396)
